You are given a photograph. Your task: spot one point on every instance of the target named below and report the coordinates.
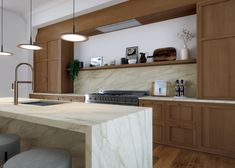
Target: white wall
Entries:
(15, 33)
(112, 46)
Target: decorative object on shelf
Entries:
(132, 53)
(177, 88)
(180, 88)
(74, 37)
(124, 61)
(164, 54)
(2, 52)
(31, 45)
(132, 61)
(161, 88)
(74, 69)
(112, 63)
(149, 59)
(81, 64)
(143, 59)
(186, 36)
(96, 62)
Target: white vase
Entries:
(184, 53)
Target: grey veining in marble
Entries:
(35, 135)
(136, 78)
(112, 135)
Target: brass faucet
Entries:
(16, 83)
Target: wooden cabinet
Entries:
(51, 65)
(40, 79)
(173, 123)
(158, 120)
(61, 97)
(180, 124)
(218, 129)
(199, 126)
(216, 41)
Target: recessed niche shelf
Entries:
(162, 63)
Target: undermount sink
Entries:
(44, 103)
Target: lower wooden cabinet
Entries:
(61, 97)
(181, 134)
(200, 126)
(173, 123)
(158, 120)
(218, 129)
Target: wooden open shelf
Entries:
(141, 65)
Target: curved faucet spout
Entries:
(16, 83)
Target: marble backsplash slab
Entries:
(136, 78)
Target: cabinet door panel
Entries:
(54, 76)
(158, 133)
(158, 115)
(41, 55)
(218, 19)
(40, 76)
(179, 134)
(215, 67)
(218, 128)
(54, 49)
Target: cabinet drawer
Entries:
(179, 112)
(179, 134)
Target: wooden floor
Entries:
(169, 157)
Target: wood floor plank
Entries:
(165, 155)
(169, 157)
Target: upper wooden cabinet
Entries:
(51, 65)
(216, 41)
(217, 18)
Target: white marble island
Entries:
(98, 136)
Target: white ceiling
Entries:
(46, 12)
(22, 6)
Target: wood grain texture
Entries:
(62, 97)
(146, 11)
(198, 126)
(51, 66)
(216, 40)
(169, 157)
(159, 63)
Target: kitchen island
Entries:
(97, 135)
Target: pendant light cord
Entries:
(74, 16)
(31, 24)
(2, 27)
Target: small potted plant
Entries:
(74, 69)
(186, 36)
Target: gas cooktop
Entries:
(121, 97)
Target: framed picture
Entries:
(132, 53)
(96, 62)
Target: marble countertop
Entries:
(73, 116)
(186, 99)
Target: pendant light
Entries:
(74, 37)
(31, 45)
(2, 52)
